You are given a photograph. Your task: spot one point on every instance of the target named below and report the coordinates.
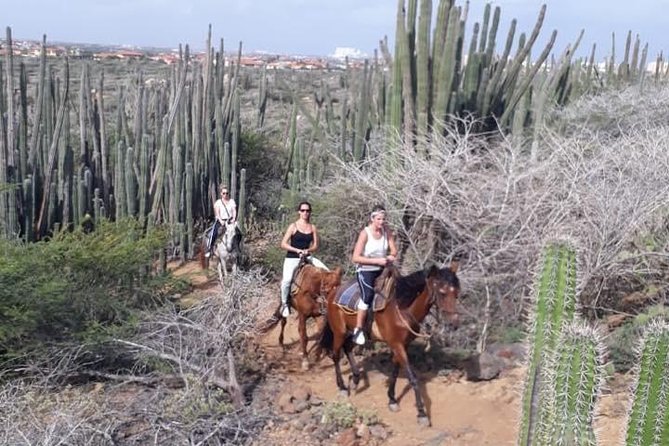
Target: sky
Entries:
(316, 27)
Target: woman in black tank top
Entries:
(300, 240)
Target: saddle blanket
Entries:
(348, 296)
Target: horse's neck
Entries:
(420, 307)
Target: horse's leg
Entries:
(402, 359)
(221, 269)
(302, 330)
(283, 326)
(336, 356)
(392, 402)
(355, 370)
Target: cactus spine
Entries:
(554, 305)
(648, 419)
(573, 378)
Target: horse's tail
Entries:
(271, 322)
(327, 339)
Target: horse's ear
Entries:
(432, 271)
(454, 266)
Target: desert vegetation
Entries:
(544, 173)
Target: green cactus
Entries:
(648, 418)
(130, 183)
(573, 378)
(241, 213)
(554, 305)
(189, 209)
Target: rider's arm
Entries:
(357, 256)
(392, 246)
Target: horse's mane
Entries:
(409, 287)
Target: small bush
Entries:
(623, 342)
(343, 414)
(76, 282)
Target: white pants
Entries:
(289, 267)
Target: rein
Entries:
(432, 300)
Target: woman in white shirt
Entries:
(225, 211)
(374, 249)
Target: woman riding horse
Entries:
(408, 302)
(225, 213)
(374, 250)
(300, 240)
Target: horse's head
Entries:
(444, 287)
(229, 235)
(331, 281)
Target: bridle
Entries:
(432, 299)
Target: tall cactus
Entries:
(648, 419)
(554, 305)
(573, 377)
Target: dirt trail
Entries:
(461, 412)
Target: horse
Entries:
(310, 286)
(409, 300)
(227, 250)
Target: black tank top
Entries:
(299, 240)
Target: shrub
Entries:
(57, 290)
(623, 342)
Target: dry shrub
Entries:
(492, 203)
(182, 389)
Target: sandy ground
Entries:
(461, 412)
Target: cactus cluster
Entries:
(565, 364)
(171, 143)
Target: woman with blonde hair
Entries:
(225, 212)
(374, 249)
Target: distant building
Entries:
(351, 53)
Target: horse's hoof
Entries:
(344, 393)
(394, 407)
(424, 421)
(305, 365)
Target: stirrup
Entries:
(207, 254)
(359, 336)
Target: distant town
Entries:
(32, 48)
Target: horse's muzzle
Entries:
(453, 319)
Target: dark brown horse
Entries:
(409, 301)
(308, 299)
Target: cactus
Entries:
(241, 213)
(554, 305)
(189, 209)
(648, 418)
(130, 183)
(573, 377)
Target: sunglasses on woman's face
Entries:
(305, 210)
(224, 193)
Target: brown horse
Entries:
(409, 301)
(308, 294)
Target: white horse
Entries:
(227, 250)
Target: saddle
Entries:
(348, 296)
(298, 274)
